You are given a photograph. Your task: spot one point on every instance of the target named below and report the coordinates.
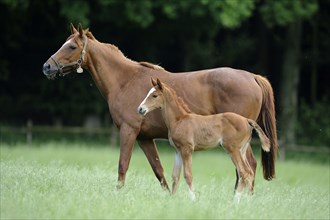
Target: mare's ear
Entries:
(153, 82)
(73, 29)
(80, 30)
(160, 84)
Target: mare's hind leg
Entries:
(176, 171)
(150, 150)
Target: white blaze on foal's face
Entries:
(149, 93)
(152, 101)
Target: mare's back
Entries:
(219, 90)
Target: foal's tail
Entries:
(267, 122)
(265, 144)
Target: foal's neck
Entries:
(173, 110)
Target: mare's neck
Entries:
(110, 69)
(172, 111)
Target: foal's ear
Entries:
(80, 30)
(159, 83)
(153, 82)
(73, 29)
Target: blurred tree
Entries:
(75, 11)
(258, 35)
(289, 14)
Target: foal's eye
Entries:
(72, 47)
(155, 95)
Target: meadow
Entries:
(64, 180)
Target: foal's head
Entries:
(70, 56)
(154, 99)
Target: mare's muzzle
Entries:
(50, 71)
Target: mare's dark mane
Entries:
(115, 48)
(151, 65)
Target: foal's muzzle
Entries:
(142, 111)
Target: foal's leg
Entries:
(240, 167)
(150, 150)
(240, 182)
(176, 171)
(187, 168)
(250, 175)
(252, 163)
(246, 175)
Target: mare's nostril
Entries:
(46, 66)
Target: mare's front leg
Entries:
(150, 150)
(176, 171)
(127, 139)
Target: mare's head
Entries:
(70, 56)
(154, 98)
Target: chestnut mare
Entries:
(189, 132)
(124, 83)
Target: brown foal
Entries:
(190, 132)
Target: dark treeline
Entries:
(287, 41)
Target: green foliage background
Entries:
(180, 35)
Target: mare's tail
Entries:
(265, 144)
(267, 122)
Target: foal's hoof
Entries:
(237, 197)
(192, 196)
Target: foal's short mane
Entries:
(178, 99)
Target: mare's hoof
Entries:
(120, 185)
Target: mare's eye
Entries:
(72, 47)
(155, 95)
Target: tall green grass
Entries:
(76, 181)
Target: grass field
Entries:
(75, 181)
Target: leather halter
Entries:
(77, 63)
